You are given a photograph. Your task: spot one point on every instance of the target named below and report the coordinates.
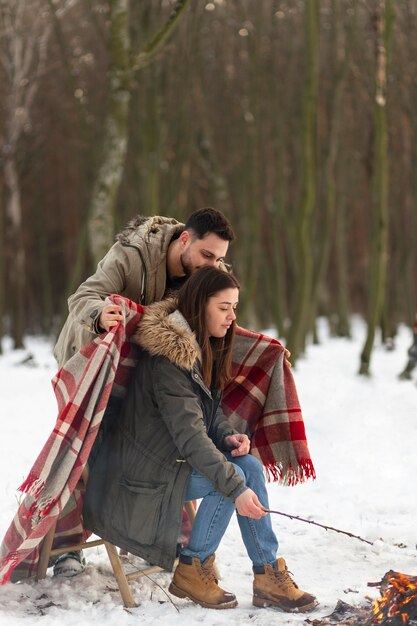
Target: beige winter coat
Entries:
(135, 267)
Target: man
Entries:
(150, 258)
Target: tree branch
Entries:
(156, 43)
(308, 521)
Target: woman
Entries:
(173, 444)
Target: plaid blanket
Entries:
(262, 401)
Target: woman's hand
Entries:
(247, 504)
(240, 444)
(110, 316)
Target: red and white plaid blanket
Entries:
(262, 401)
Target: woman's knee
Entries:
(239, 470)
(249, 465)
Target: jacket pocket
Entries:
(137, 510)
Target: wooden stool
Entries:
(122, 578)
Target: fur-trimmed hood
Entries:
(142, 227)
(163, 331)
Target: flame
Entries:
(397, 590)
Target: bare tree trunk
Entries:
(114, 140)
(409, 273)
(406, 284)
(383, 25)
(22, 57)
(250, 219)
(76, 274)
(342, 326)
(342, 53)
(18, 267)
(304, 277)
(115, 135)
(45, 296)
(2, 263)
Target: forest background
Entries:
(297, 118)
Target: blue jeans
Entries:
(215, 511)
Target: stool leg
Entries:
(46, 552)
(121, 579)
(191, 512)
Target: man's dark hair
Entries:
(208, 220)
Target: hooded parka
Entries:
(135, 267)
(170, 423)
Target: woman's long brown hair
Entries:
(192, 300)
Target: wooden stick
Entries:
(309, 521)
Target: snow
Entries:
(362, 436)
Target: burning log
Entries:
(398, 605)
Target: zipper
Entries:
(196, 376)
(143, 285)
(215, 402)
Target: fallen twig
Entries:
(309, 521)
(162, 589)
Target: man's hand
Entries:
(247, 504)
(110, 316)
(240, 444)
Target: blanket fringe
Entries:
(9, 563)
(289, 475)
(42, 502)
(46, 507)
(40, 509)
(33, 485)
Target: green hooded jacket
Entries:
(170, 424)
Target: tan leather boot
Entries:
(196, 581)
(273, 586)
(210, 567)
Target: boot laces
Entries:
(206, 575)
(285, 579)
(209, 573)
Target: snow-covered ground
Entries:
(362, 435)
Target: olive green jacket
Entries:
(135, 267)
(170, 423)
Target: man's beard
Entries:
(187, 268)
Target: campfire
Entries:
(396, 607)
(398, 604)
